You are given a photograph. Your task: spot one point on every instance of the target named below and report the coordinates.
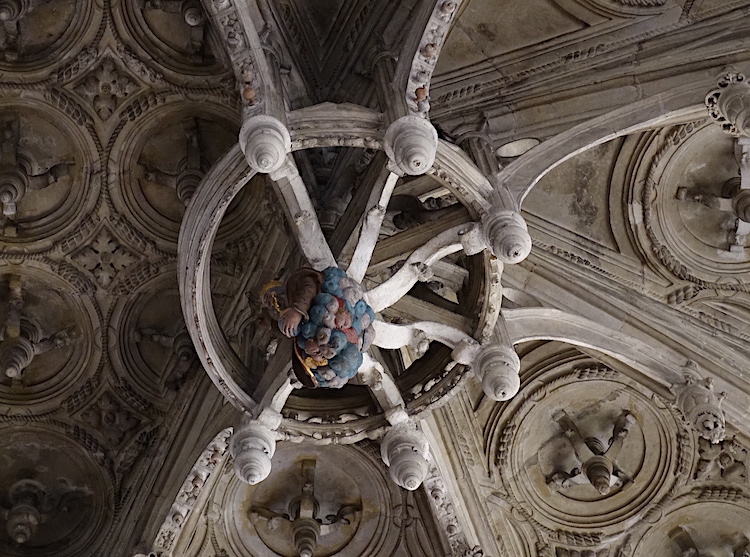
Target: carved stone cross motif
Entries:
(21, 338)
(598, 459)
(19, 174)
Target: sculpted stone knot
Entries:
(405, 450)
(411, 144)
(252, 448)
(265, 141)
(507, 235)
(497, 367)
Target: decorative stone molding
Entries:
(195, 482)
(426, 56)
(411, 144)
(404, 450)
(265, 141)
(446, 515)
(729, 105)
(696, 400)
(726, 461)
(507, 235)
(252, 447)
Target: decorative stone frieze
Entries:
(206, 466)
(445, 512)
(426, 56)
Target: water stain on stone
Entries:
(486, 31)
(581, 205)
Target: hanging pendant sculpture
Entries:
(330, 322)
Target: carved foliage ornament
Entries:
(729, 105)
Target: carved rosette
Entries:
(681, 181)
(265, 141)
(151, 338)
(404, 450)
(160, 161)
(507, 235)
(729, 105)
(411, 143)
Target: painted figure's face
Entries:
(343, 320)
(312, 348)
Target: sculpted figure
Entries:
(323, 311)
(701, 406)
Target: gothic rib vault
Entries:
(545, 202)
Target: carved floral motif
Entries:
(105, 257)
(106, 88)
(111, 418)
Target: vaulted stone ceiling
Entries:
(128, 201)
